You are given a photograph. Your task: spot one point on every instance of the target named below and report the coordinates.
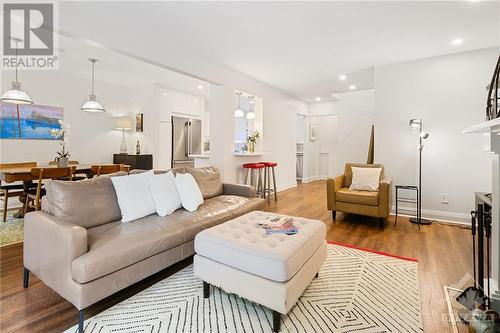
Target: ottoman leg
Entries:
(206, 289)
(276, 321)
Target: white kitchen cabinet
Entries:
(175, 103)
(184, 104)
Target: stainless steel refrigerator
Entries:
(186, 141)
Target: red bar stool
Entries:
(267, 180)
(249, 169)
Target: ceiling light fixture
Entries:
(199, 87)
(318, 99)
(352, 87)
(238, 113)
(15, 95)
(92, 105)
(457, 41)
(251, 114)
(342, 77)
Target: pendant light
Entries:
(92, 105)
(251, 114)
(238, 113)
(15, 95)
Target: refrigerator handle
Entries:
(186, 140)
(190, 138)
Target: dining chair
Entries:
(12, 190)
(76, 176)
(104, 169)
(34, 195)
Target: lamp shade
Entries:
(238, 113)
(15, 95)
(92, 105)
(424, 135)
(123, 123)
(416, 123)
(251, 115)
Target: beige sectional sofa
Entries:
(78, 247)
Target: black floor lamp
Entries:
(418, 124)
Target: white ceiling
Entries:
(302, 47)
(116, 68)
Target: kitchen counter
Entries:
(200, 156)
(249, 154)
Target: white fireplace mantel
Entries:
(490, 126)
(491, 132)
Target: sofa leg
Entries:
(276, 321)
(317, 274)
(26, 278)
(334, 215)
(81, 318)
(381, 222)
(206, 289)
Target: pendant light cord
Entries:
(17, 40)
(92, 84)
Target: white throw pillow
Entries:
(365, 179)
(164, 193)
(189, 191)
(134, 196)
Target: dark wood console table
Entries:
(143, 161)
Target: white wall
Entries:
(280, 109)
(356, 115)
(92, 137)
(449, 93)
(343, 133)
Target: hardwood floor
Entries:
(443, 253)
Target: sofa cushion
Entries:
(116, 245)
(348, 171)
(357, 197)
(208, 179)
(87, 203)
(175, 171)
(220, 209)
(189, 192)
(134, 196)
(365, 179)
(164, 193)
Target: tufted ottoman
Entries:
(273, 270)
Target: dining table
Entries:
(23, 174)
(10, 175)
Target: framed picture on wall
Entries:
(312, 132)
(139, 122)
(29, 122)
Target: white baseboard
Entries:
(450, 217)
(311, 179)
(284, 187)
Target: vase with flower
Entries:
(62, 134)
(252, 141)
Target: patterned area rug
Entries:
(356, 291)
(12, 230)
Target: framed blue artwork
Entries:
(29, 122)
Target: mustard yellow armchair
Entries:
(375, 204)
